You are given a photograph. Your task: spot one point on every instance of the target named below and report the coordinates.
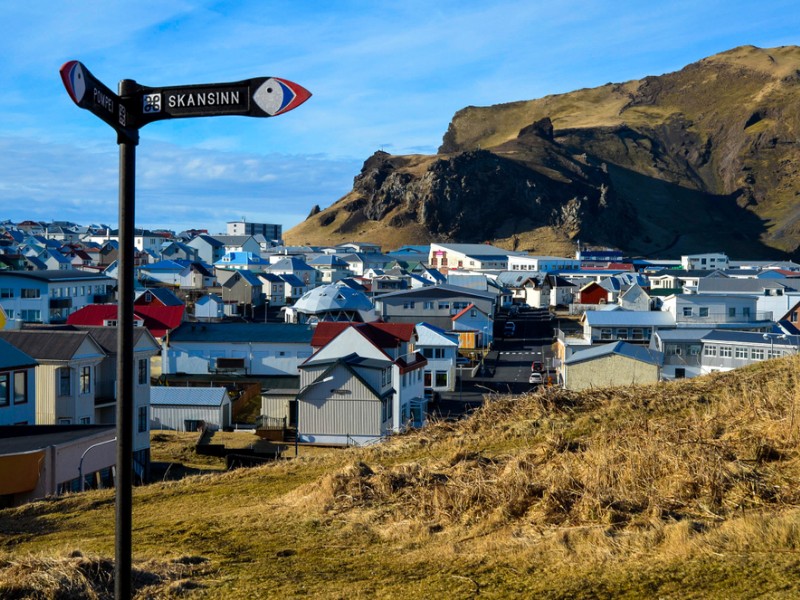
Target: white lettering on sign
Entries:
(123, 116)
(151, 103)
(215, 98)
(102, 100)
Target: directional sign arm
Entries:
(259, 97)
(90, 93)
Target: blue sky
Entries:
(384, 75)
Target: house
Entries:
(185, 408)
(542, 264)
(472, 257)
(475, 328)
(635, 298)
(705, 262)
(175, 250)
(294, 287)
(440, 349)
(724, 350)
(49, 460)
(593, 293)
(17, 386)
(209, 249)
(274, 289)
(682, 350)
(241, 261)
(375, 366)
(164, 272)
(716, 311)
(65, 375)
(270, 231)
(241, 349)
(209, 308)
(196, 276)
(624, 325)
(331, 268)
(244, 291)
(297, 267)
(50, 296)
(238, 243)
(432, 304)
(614, 364)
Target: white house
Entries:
(241, 348)
(183, 408)
(440, 348)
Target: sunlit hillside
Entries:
(677, 490)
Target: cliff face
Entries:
(706, 158)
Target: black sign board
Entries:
(89, 93)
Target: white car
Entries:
(535, 378)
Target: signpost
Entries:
(133, 107)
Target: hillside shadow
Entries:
(674, 220)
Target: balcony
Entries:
(56, 303)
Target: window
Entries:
(687, 311)
(428, 379)
(386, 409)
(20, 387)
(64, 381)
(427, 305)
(444, 306)
(605, 333)
(710, 351)
(86, 420)
(408, 305)
(4, 389)
(427, 352)
(142, 419)
(6, 293)
(65, 421)
(746, 311)
(142, 371)
(385, 377)
(86, 380)
(29, 293)
(757, 353)
(694, 350)
(703, 311)
(637, 333)
(30, 316)
(441, 378)
(673, 350)
(622, 333)
(725, 351)
(731, 311)
(741, 352)
(680, 373)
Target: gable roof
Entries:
(188, 396)
(430, 335)
(48, 345)
(157, 319)
(12, 357)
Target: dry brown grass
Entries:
(77, 576)
(679, 490)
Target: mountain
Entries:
(703, 159)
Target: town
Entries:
(343, 345)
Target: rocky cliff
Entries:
(703, 159)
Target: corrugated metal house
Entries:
(183, 408)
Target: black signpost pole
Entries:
(125, 359)
(133, 108)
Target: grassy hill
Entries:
(677, 490)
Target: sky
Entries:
(384, 76)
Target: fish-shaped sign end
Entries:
(74, 78)
(276, 96)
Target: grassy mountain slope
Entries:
(677, 490)
(722, 132)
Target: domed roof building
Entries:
(332, 303)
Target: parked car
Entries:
(510, 328)
(535, 378)
(537, 366)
